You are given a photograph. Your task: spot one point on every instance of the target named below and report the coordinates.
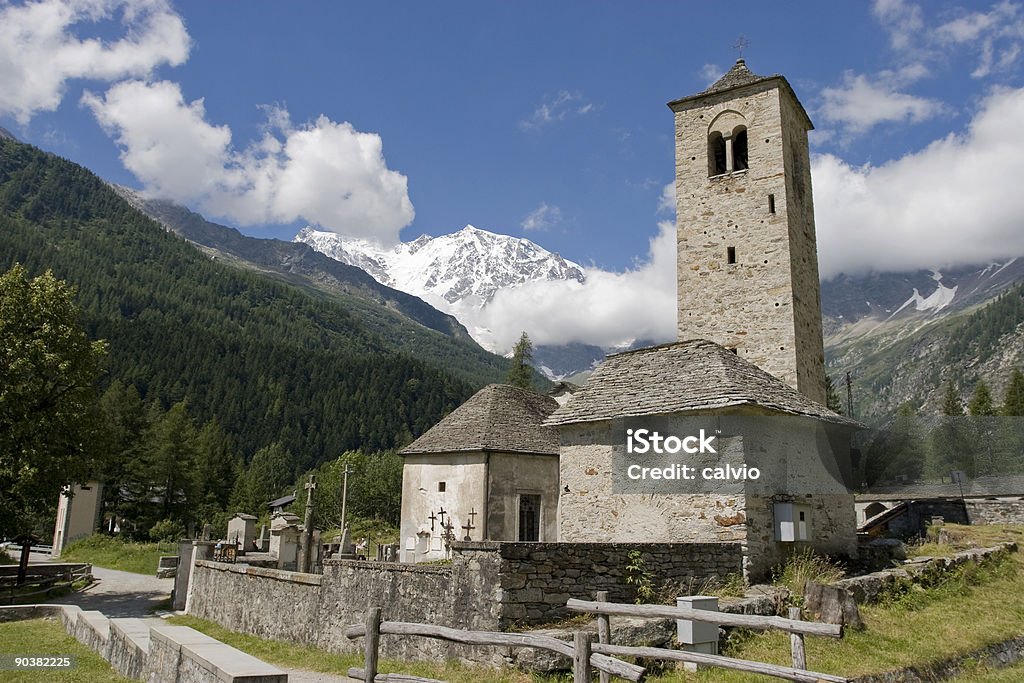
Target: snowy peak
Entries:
(467, 266)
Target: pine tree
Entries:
(981, 402)
(951, 404)
(520, 372)
(832, 401)
(1013, 402)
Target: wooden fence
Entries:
(588, 655)
(793, 625)
(11, 590)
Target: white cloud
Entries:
(543, 217)
(324, 172)
(667, 200)
(957, 201)
(903, 21)
(859, 104)
(558, 108)
(608, 309)
(710, 73)
(39, 53)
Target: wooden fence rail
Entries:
(373, 629)
(751, 621)
(793, 625)
(36, 585)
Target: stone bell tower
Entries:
(747, 255)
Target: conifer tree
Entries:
(832, 401)
(981, 402)
(1013, 402)
(520, 371)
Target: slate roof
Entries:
(689, 376)
(737, 77)
(499, 417)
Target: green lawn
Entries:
(115, 553)
(47, 637)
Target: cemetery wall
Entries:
(984, 511)
(268, 603)
(536, 579)
(488, 586)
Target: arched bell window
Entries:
(739, 149)
(716, 154)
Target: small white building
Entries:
(487, 471)
(78, 514)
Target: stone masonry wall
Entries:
(537, 579)
(488, 586)
(986, 511)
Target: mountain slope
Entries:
(403, 321)
(269, 360)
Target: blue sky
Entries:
(546, 120)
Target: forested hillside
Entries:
(270, 362)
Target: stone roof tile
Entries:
(499, 417)
(689, 376)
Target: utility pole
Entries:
(849, 394)
(307, 545)
(344, 505)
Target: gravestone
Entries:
(242, 531)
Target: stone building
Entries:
(747, 255)
(799, 447)
(487, 471)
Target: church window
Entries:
(739, 149)
(441, 486)
(529, 517)
(771, 203)
(730, 254)
(716, 154)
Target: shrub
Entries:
(167, 531)
(803, 566)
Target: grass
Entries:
(284, 654)
(804, 566)
(983, 674)
(47, 637)
(972, 608)
(115, 553)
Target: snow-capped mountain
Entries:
(466, 266)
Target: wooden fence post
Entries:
(581, 656)
(371, 645)
(796, 642)
(604, 631)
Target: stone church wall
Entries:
(987, 511)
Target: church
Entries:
(747, 374)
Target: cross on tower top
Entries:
(741, 44)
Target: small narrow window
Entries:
(716, 154)
(771, 203)
(739, 149)
(441, 486)
(730, 254)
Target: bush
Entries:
(167, 531)
(803, 566)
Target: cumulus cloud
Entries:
(543, 217)
(954, 202)
(859, 104)
(324, 172)
(39, 52)
(608, 309)
(667, 200)
(557, 108)
(709, 73)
